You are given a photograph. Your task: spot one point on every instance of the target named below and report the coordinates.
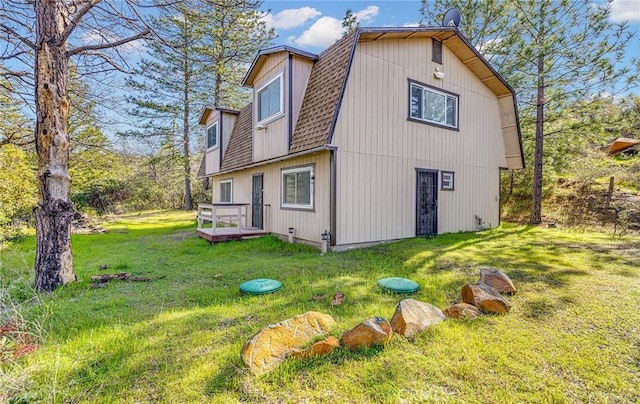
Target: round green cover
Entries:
(399, 285)
(260, 286)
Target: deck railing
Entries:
(226, 216)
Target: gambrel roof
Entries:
(323, 95)
(240, 150)
(327, 83)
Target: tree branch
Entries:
(108, 45)
(77, 17)
(19, 37)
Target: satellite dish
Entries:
(451, 18)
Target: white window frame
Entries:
(311, 170)
(447, 95)
(230, 182)
(215, 146)
(278, 113)
(450, 180)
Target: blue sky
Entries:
(314, 25)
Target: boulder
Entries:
(485, 298)
(374, 331)
(324, 347)
(412, 317)
(270, 346)
(497, 280)
(462, 311)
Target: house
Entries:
(390, 133)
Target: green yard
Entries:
(573, 334)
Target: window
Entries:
(446, 180)
(270, 99)
(212, 136)
(226, 191)
(297, 188)
(436, 51)
(430, 105)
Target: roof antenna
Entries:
(451, 18)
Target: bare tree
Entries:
(38, 39)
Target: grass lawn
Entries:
(573, 334)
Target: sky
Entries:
(314, 25)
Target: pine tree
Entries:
(560, 55)
(234, 35)
(169, 87)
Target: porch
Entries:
(225, 221)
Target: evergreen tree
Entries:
(15, 128)
(349, 22)
(170, 85)
(200, 52)
(560, 55)
(482, 23)
(234, 35)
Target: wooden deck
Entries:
(230, 233)
(227, 221)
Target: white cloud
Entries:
(625, 10)
(322, 33)
(367, 15)
(326, 30)
(411, 24)
(290, 18)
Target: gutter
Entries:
(318, 149)
(290, 98)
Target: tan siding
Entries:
(228, 121)
(379, 149)
(274, 140)
(212, 156)
(308, 225)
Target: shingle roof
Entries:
(322, 96)
(240, 149)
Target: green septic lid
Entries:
(260, 286)
(399, 285)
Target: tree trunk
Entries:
(536, 203)
(54, 213)
(188, 197)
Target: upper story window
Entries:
(270, 101)
(297, 188)
(432, 106)
(226, 191)
(212, 136)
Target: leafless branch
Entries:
(78, 15)
(12, 32)
(108, 45)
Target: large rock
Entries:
(324, 347)
(374, 331)
(412, 317)
(463, 311)
(269, 347)
(497, 280)
(485, 298)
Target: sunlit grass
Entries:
(572, 335)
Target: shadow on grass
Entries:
(196, 311)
